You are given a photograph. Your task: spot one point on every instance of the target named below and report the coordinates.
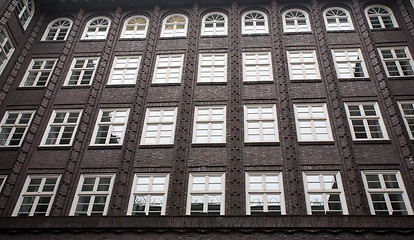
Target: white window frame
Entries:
(6, 43)
(126, 69)
(260, 121)
(407, 117)
(38, 72)
(258, 65)
(37, 194)
(23, 9)
(113, 123)
(82, 70)
(3, 179)
(338, 26)
(58, 28)
(168, 67)
(364, 118)
(396, 60)
(14, 126)
(255, 30)
(159, 125)
(206, 192)
(295, 19)
(265, 191)
(209, 122)
(215, 31)
(312, 119)
(94, 36)
(174, 25)
(303, 64)
(213, 69)
(138, 34)
(150, 192)
(381, 21)
(385, 191)
(92, 193)
(62, 126)
(324, 191)
(351, 63)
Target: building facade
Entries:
(207, 119)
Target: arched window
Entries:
(174, 25)
(337, 19)
(296, 20)
(25, 10)
(379, 17)
(214, 24)
(58, 30)
(135, 27)
(254, 22)
(97, 28)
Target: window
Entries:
(135, 27)
(6, 49)
(38, 73)
(380, 17)
(303, 65)
(174, 26)
(254, 22)
(37, 196)
(257, 67)
(82, 71)
(260, 123)
(397, 61)
(58, 30)
(365, 121)
(349, 63)
(96, 28)
(312, 122)
(206, 194)
(324, 193)
(159, 127)
(92, 195)
(2, 181)
(386, 193)
(209, 124)
(337, 19)
(124, 70)
(110, 127)
(214, 24)
(62, 127)
(149, 194)
(13, 127)
(168, 69)
(296, 21)
(407, 112)
(212, 67)
(264, 193)
(25, 11)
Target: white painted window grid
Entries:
(296, 20)
(407, 112)
(257, 66)
(6, 49)
(212, 67)
(254, 22)
(3, 179)
(168, 69)
(135, 27)
(209, 124)
(380, 17)
(82, 71)
(124, 70)
(58, 30)
(337, 19)
(349, 63)
(214, 24)
(110, 127)
(25, 10)
(159, 126)
(174, 25)
(303, 65)
(13, 127)
(397, 61)
(312, 122)
(260, 123)
(62, 127)
(39, 72)
(96, 28)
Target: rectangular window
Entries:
(6, 49)
(260, 124)
(206, 194)
(168, 69)
(257, 66)
(365, 121)
(303, 65)
(92, 195)
(149, 194)
(264, 193)
(209, 124)
(312, 122)
(212, 67)
(159, 126)
(81, 71)
(38, 73)
(124, 70)
(407, 112)
(386, 193)
(397, 61)
(324, 193)
(2, 181)
(13, 127)
(110, 127)
(62, 127)
(37, 196)
(349, 63)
